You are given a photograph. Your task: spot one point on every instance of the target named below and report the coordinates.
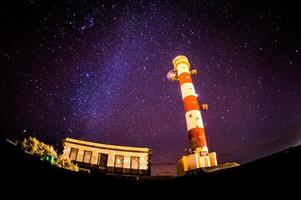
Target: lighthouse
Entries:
(199, 155)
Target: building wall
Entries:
(117, 150)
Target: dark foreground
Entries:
(19, 170)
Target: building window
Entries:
(73, 153)
(102, 161)
(118, 165)
(87, 156)
(135, 162)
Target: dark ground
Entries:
(23, 172)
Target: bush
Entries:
(35, 147)
(66, 163)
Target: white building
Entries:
(107, 158)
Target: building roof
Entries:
(108, 146)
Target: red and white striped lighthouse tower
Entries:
(199, 156)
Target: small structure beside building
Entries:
(108, 159)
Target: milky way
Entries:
(97, 71)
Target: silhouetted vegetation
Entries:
(37, 148)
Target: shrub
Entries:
(35, 147)
(66, 163)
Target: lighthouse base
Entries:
(195, 161)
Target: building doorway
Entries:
(102, 162)
(135, 162)
(118, 165)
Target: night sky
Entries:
(97, 71)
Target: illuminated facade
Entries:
(109, 159)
